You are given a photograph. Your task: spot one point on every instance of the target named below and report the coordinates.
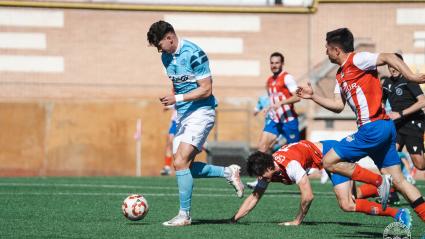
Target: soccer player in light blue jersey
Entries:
(187, 66)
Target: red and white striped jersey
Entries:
(294, 160)
(357, 81)
(280, 88)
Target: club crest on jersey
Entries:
(279, 158)
(399, 91)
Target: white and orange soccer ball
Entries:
(135, 207)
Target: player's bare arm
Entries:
(306, 200)
(398, 64)
(203, 91)
(336, 104)
(291, 100)
(249, 204)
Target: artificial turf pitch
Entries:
(90, 207)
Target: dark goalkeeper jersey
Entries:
(401, 94)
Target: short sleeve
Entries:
(291, 84)
(365, 61)
(200, 65)
(262, 184)
(415, 89)
(295, 171)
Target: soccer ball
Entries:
(135, 207)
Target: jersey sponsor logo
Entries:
(179, 79)
(346, 87)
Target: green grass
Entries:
(90, 207)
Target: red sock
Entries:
(368, 190)
(373, 208)
(366, 176)
(168, 160)
(420, 210)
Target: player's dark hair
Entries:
(278, 54)
(258, 163)
(399, 56)
(341, 37)
(157, 31)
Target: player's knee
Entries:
(179, 163)
(419, 162)
(398, 181)
(330, 167)
(262, 148)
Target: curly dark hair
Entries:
(157, 31)
(341, 37)
(258, 163)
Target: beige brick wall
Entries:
(81, 121)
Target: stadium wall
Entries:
(71, 96)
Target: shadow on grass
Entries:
(361, 235)
(211, 221)
(350, 224)
(137, 223)
(227, 221)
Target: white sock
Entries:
(184, 213)
(227, 172)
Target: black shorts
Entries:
(413, 143)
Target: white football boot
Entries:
(182, 219)
(235, 180)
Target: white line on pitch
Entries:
(141, 187)
(144, 194)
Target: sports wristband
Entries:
(179, 98)
(401, 114)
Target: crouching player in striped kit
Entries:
(290, 165)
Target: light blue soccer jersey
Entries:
(184, 68)
(262, 103)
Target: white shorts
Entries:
(193, 128)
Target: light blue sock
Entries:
(203, 170)
(185, 184)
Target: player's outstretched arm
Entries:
(249, 204)
(306, 200)
(336, 104)
(291, 100)
(203, 91)
(395, 62)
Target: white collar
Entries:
(179, 46)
